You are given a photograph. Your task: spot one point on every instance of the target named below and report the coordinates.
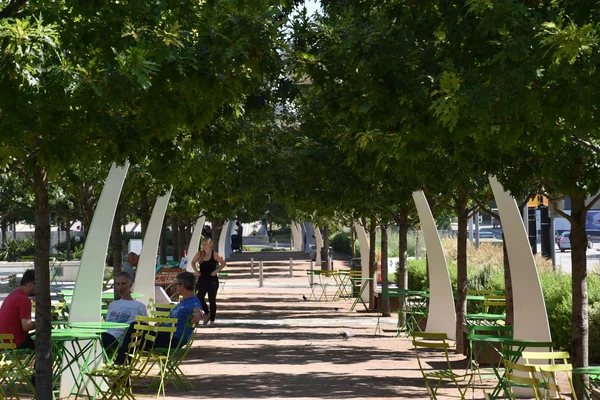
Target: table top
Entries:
(67, 334)
(94, 325)
(482, 316)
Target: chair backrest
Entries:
(550, 374)
(355, 274)
(494, 304)
(546, 357)
(549, 363)
(393, 292)
(521, 375)
(7, 342)
(425, 341)
(482, 292)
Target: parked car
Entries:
(564, 241)
(486, 235)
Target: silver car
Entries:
(564, 241)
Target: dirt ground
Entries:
(270, 343)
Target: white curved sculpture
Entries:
(87, 294)
(530, 316)
(318, 246)
(309, 230)
(441, 316)
(146, 268)
(224, 239)
(363, 242)
(194, 245)
(296, 236)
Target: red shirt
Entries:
(15, 307)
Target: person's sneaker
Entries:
(206, 318)
(211, 324)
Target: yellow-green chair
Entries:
(550, 364)
(433, 346)
(523, 376)
(150, 355)
(175, 355)
(113, 381)
(15, 373)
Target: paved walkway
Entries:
(269, 343)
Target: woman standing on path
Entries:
(208, 281)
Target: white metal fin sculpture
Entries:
(363, 242)
(296, 236)
(146, 268)
(530, 316)
(318, 245)
(194, 245)
(224, 239)
(87, 294)
(441, 317)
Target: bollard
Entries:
(312, 267)
(291, 268)
(252, 268)
(260, 274)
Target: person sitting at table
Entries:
(15, 313)
(132, 260)
(189, 305)
(124, 310)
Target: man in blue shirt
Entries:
(189, 305)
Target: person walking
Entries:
(207, 264)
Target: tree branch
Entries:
(12, 8)
(586, 143)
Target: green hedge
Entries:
(557, 295)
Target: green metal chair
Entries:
(435, 345)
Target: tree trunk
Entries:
(188, 234)
(43, 349)
(176, 242)
(183, 242)
(88, 201)
(402, 278)
(68, 237)
(163, 243)
(372, 261)
(3, 231)
(325, 249)
(508, 292)
(461, 266)
(116, 245)
(352, 241)
(579, 332)
(403, 249)
(217, 231)
(384, 271)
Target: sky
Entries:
(311, 6)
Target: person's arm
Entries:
(197, 314)
(27, 324)
(25, 313)
(195, 261)
(222, 264)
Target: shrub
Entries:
(340, 242)
(14, 249)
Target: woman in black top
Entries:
(210, 265)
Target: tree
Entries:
(115, 81)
